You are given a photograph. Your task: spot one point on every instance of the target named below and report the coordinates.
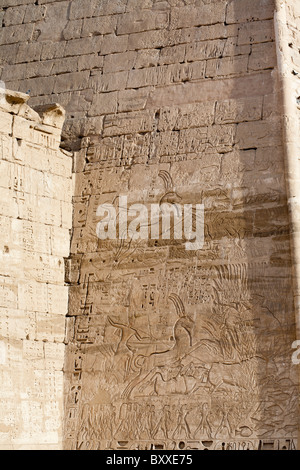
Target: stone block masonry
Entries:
(179, 102)
(35, 225)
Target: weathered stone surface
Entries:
(167, 102)
(240, 11)
(34, 239)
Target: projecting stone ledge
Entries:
(14, 102)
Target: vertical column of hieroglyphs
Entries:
(35, 223)
(170, 101)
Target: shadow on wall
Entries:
(205, 128)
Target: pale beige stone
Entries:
(179, 102)
(143, 20)
(118, 62)
(240, 11)
(101, 25)
(227, 66)
(104, 103)
(256, 32)
(245, 109)
(36, 179)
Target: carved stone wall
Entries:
(171, 102)
(35, 223)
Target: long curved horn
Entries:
(167, 179)
(176, 300)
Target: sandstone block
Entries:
(6, 143)
(240, 11)
(180, 73)
(66, 214)
(133, 100)
(73, 30)
(35, 13)
(244, 109)
(50, 327)
(39, 209)
(14, 15)
(131, 5)
(5, 124)
(8, 203)
(5, 175)
(147, 58)
(28, 266)
(205, 33)
(104, 103)
(53, 50)
(30, 236)
(38, 86)
(193, 140)
(90, 62)
(8, 54)
(256, 32)
(83, 46)
(12, 3)
(80, 10)
(99, 26)
(59, 165)
(109, 7)
(118, 62)
(57, 299)
(59, 239)
(167, 143)
(232, 48)
(29, 52)
(54, 21)
(109, 81)
(188, 116)
(167, 101)
(143, 20)
(259, 84)
(173, 55)
(16, 33)
(14, 71)
(8, 294)
(207, 14)
(205, 50)
(71, 82)
(263, 56)
(148, 40)
(17, 324)
(128, 123)
(61, 66)
(227, 66)
(270, 107)
(112, 44)
(259, 134)
(142, 77)
(34, 133)
(273, 221)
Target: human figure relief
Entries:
(225, 426)
(124, 353)
(182, 430)
(164, 423)
(159, 362)
(204, 428)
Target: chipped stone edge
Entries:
(15, 102)
(289, 112)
